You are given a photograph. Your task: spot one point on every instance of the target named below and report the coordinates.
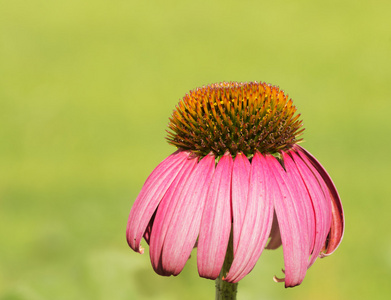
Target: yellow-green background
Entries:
(86, 89)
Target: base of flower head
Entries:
(264, 202)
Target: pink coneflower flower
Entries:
(238, 172)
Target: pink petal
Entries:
(338, 219)
(293, 226)
(165, 213)
(257, 221)
(184, 226)
(150, 196)
(240, 184)
(216, 221)
(302, 193)
(320, 201)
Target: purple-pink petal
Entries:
(165, 213)
(240, 184)
(293, 226)
(150, 196)
(184, 226)
(338, 219)
(257, 221)
(320, 201)
(216, 221)
(304, 199)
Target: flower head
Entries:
(239, 169)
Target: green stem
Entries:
(226, 290)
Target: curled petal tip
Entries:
(276, 279)
(136, 248)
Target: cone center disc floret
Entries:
(235, 117)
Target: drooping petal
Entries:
(293, 226)
(338, 219)
(184, 226)
(165, 213)
(275, 236)
(216, 221)
(150, 196)
(257, 221)
(240, 184)
(321, 203)
(298, 185)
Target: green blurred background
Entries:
(86, 89)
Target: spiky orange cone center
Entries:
(235, 117)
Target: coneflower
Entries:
(237, 179)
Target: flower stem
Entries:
(226, 290)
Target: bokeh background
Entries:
(86, 89)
